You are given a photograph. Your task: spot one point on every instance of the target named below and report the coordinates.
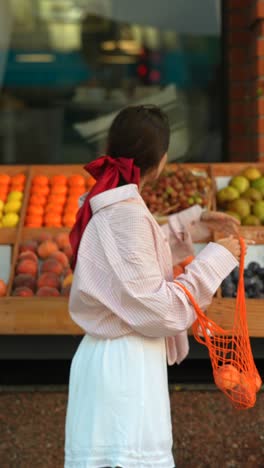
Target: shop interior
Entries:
(67, 66)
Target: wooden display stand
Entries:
(50, 316)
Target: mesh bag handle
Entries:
(230, 351)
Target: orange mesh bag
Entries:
(230, 352)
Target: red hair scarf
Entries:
(106, 171)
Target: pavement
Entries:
(207, 431)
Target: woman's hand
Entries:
(221, 222)
(231, 244)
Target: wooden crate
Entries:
(230, 170)
(9, 235)
(38, 316)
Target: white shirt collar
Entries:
(109, 197)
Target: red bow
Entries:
(107, 172)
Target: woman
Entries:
(123, 296)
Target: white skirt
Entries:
(118, 410)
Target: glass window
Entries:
(67, 66)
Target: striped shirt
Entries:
(123, 280)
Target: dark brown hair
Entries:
(141, 133)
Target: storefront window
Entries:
(67, 66)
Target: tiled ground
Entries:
(208, 433)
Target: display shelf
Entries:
(35, 316)
(222, 312)
(28, 233)
(9, 235)
(50, 316)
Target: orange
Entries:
(90, 181)
(59, 179)
(76, 180)
(54, 208)
(16, 188)
(33, 221)
(40, 180)
(18, 179)
(70, 213)
(76, 191)
(68, 220)
(52, 220)
(35, 210)
(59, 189)
(73, 198)
(4, 179)
(4, 189)
(3, 195)
(43, 190)
(37, 200)
(57, 199)
(71, 206)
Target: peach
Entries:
(52, 265)
(67, 280)
(31, 245)
(47, 291)
(25, 280)
(258, 382)
(68, 251)
(3, 288)
(177, 270)
(29, 267)
(187, 261)
(23, 292)
(28, 255)
(46, 248)
(45, 236)
(62, 240)
(48, 279)
(61, 257)
(66, 291)
(227, 377)
(67, 272)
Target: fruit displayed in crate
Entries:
(11, 198)
(3, 288)
(178, 189)
(243, 198)
(253, 278)
(53, 201)
(43, 267)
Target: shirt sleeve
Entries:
(150, 304)
(187, 220)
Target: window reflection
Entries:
(66, 68)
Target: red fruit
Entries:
(26, 281)
(29, 267)
(53, 266)
(66, 291)
(3, 288)
(29, 245)
(48, 279)
(68, 252)
(186, 261)
(23, 292)
(28, 255)
(46, 248)
(61, 257)
(177, 270)
(62, 240)
(47, 291)
(227, 377)
(45, 236)
(67, 272)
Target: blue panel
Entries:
(66, 70)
